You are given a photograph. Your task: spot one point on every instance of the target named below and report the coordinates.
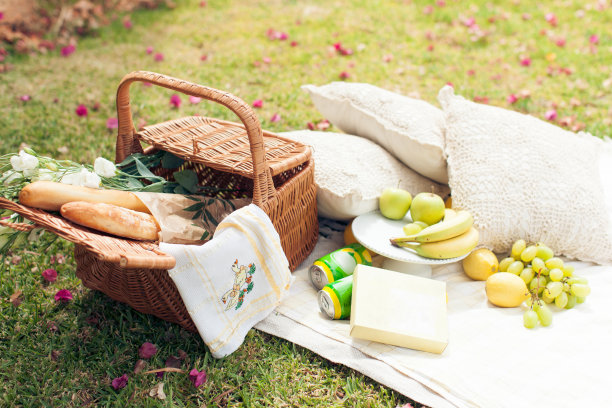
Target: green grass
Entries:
(66, 355)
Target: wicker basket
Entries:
(277, 173)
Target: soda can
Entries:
(338, 264)
(335, 298)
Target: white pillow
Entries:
(522, 177)
(351, 172)
(411, 129)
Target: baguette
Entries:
(112, 219)
(49, 195)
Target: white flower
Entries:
(82, 178)
(9, 176)
(24, 161)
(44, 175)
(104, 168)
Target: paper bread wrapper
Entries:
(179, 226)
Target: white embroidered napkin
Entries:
(233, 281)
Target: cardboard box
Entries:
(399, 309)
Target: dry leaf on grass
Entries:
(158, 391)
(16, 298)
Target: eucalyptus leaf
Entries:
(145, 172)
(179, 190)
(187, 179)
(170, 161)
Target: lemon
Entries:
(505, 289)
(349, 238)
(480, 264)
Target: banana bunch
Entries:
(454, 236)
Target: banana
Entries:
(454, 226)
(449, 213)
(449, 248)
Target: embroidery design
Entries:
(243, 284)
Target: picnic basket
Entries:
(277, 173)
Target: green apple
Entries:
(394, 203)
(413, 228)
(427, 207)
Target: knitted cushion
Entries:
(524, 178)
(411, 129)
(351, 172)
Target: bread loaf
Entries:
(112, 219)
(49, 195)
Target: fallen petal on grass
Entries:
(63, 295)
(120, 382)
(147, 350)
(50, 275)
(175, 101)
(197, 378)
(81, 110)
(112, 123)
(257, 103)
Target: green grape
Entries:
(571, 302)
(537, 281)
(555, 274)
(568, 270)
(516, 267)
(554, 263)
(505, 263)
(554, 289)
(566, 287)
(530, 319)
(580, 299)
(577, 279)
(528, 302)
(545, 315)
(517, 248)
(561, 300)
(527, 275)
(529, 253)
(412, 228)
(544, 271)
(544, 252)
(537, 265)
(580, 289)
(546, 296)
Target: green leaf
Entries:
(187, 179)
(145, 172)
(170, 161)
(154, 188)
(204, 235)
(210, 218)
(196, 215)
(179, 190)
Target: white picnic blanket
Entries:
(234, 280)
(491, 359)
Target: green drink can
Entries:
(335, 298)
(338, 264)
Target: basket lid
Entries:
(222, 145)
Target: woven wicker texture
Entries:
(241, 159)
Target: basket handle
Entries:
(263, 186)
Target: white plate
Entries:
(373, 231)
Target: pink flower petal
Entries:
(266, 60)
(194, 100)
(560, 42)
(387, 58)
(81, 110)
(147, 350)
(257, 103)
(512, 98)
(1, 15)
(551, 19)
(525, 61)
(283, 36)
(120, 382)
(344, 75)
(294, 43)
(128, 24)
(204, 57)
(67, 50)
(159, 57)
(428, 9)
(197, 378)
(594, 39)
(550, 115)
(112, 123)
(149, 50)
(25, 98)
(275, 118)
(50, 275)
(203, 3)
(63, 295)
(175, 101)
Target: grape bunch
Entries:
(549, 281)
